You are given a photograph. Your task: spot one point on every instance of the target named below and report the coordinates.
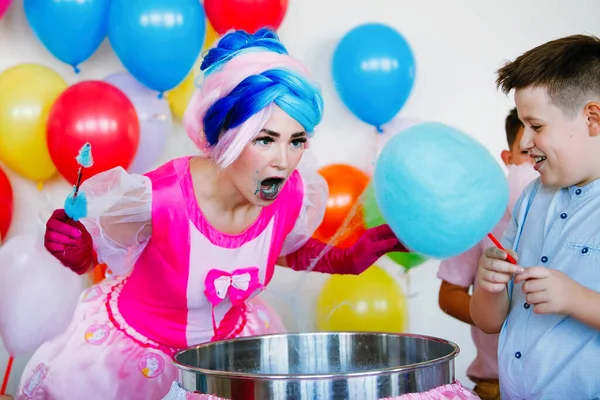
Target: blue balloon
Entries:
(71, 30)
(374, 72)
(439, 189)
(157, 41)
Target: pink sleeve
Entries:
(461, 270)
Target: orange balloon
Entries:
(98, 274)
(343, 239)
(346, 185)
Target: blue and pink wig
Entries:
(245, 76)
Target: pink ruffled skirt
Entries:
(454, 391)
(101, 357)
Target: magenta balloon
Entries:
(4, 4)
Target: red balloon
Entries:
(6, 204)
(95, 112)
(249, 15)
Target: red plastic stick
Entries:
(6, 375)
(497, 243)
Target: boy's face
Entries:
(562, 147)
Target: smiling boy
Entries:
(547, 307)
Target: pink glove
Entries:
(69, 242)
(353, 261)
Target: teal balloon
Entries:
(372, 218)
(373, 70)
(440, 190)
(71, 30)
(157, 41)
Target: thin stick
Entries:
(78, 184)
(497, 243)
(6, 375)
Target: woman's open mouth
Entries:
(270, 188)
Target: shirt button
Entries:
(518, 354)
(584, 250)
(578, 192)
(527, 305)
(545, 259)
(563, 216)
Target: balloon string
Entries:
(6, 375)
(377, 150)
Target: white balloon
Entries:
(38, 295)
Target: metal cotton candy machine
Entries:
(323, 365)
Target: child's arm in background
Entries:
(457, 275)
(455, 301)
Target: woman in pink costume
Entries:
(192, 242)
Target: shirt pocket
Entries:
(582, 263)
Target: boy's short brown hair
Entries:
(569, 69)
(512, 125)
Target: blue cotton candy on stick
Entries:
(76, 203)
(84, 158)
(76, 206)
(439, 189)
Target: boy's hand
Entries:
(493, 272)
(549, 291)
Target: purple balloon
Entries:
(155, 119)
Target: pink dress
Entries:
(179, 282)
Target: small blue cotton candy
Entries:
(84, 158)
(439, 189)
(76, 207)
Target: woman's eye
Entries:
(298, 142)
(263, 141)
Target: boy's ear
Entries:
(506, 157)
(592, 112)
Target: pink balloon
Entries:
(519, 176)
(4, 4)
(393, 128)
(38, 295)
(390, 130)
(262, 319)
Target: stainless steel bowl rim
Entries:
(379, 371)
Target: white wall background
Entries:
(457, 44)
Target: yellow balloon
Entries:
(210, 37)
(370, 302)
(179, 97)
(27, 92)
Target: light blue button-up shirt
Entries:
(548, 356)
